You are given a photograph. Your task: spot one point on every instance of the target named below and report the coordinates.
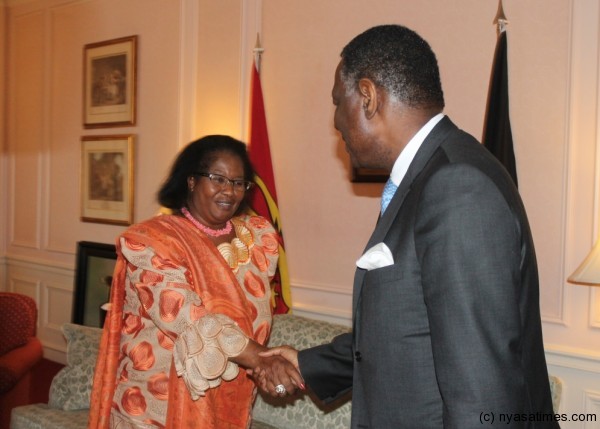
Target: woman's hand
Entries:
(271, 369)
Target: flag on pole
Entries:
(497, 134)
(263, 200)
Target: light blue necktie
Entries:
(388, 192)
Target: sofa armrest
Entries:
(17, 362)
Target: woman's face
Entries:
(213, 205)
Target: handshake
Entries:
(276, 372)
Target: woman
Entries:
(190, 302)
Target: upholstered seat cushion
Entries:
(41, 416)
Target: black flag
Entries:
(497, 135)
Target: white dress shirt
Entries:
(408, 153)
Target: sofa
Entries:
(69, 394)
(70, 390)
(20, 351)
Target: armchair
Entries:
(20, 351)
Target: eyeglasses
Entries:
(222, 181)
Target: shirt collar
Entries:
(410, 150)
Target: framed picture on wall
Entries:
(95, 264)
(107, 179)
(109, 83)
(369, 175)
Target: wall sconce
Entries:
(588, 272)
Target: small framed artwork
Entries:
(109, 83)
(93, 277)
(107, 179)
(369, 175)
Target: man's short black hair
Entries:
(397, 59)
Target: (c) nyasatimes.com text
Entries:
(489, 417)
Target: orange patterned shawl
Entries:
(227, 406)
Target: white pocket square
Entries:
(378, 256)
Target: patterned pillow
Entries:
(302, 412)
(556, 390)
(72, 386)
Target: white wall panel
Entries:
(26, 62)
(591, 409)
(579, 372)
(319, 301)
(594, 322)
(26, 284)
(52, 289)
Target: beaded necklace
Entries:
(209, 231)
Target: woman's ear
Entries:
(370, 99)
(191, 181)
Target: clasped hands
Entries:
(278, 369)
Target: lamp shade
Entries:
(588, 272)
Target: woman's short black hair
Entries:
(199, 156)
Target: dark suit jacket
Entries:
(449, 336)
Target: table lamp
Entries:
(588, 272)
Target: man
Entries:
(446, 319)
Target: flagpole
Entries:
(497, 133)
(258, 50)
(500, 19)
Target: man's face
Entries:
(349, 119)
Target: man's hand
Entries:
(288, 352)
(278, 367)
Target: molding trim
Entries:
(251, 25)
(568, 357)
(560, 317)
(323, 313)
(322, 288)
(594, 309)
(591, 401)
(188, 71)
(556, 320)
(332, 303)
(594, 312)
(583, 180)
(40, 264)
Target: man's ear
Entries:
(369, 96)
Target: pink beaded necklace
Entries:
(205, 229)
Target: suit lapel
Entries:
(430, 145)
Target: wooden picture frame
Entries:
(369, 175)
(93, 278)
(107, 179)
(110, 83)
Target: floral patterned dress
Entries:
(180, 306)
